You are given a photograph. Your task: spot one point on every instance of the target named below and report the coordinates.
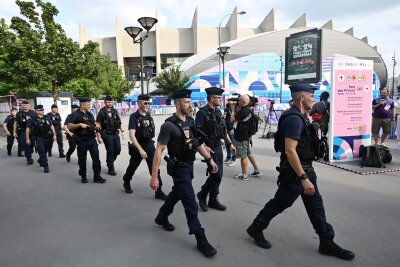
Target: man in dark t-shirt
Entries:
(384, 114)
(243, 116)
(8, 126)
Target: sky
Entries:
(379, 20)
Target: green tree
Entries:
(171, 80)
(83, 87)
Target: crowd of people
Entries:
(183, 136)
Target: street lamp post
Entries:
(147, 23)
(223, 50)
(394, 65)
(219, 40)
(148, 69)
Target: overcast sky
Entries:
(379, 20)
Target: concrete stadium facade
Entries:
(196, 48)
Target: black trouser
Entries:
(59, 141)
(85, 145)
(22, 146)
(72, 144)
(214, 179)
(290, 188)
(183, 190)
(113, 148)
(10, 141)
(42, 144)
(136, 159)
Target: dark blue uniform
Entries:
(56, 121)
(182, 177)
(86, 141)
(22, 119)
(9, 121)
(40, 132)
(110, 124)
(71, 139)
(290, 186)
(229, 127)
(144, 132)
(212, 123)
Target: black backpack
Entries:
(254, 123)
(375, 156)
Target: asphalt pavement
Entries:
(54, 220)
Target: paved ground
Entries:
(54, 220)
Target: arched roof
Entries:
(333, 42)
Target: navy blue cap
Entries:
(74, 106)
(182, 94)
(54, 106)
(214, 91)
(38, 107)
(302, 87)
(143, 97)
(84, 99)
(25, 102)
(108, 98)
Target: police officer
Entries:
(110, 123)
(210, 120)
(178, 134)
(71, 137)
(83, 125)
(8, 126)
(20, 124)
(40, 128)
(141, 133)
(55, 118)
(296, 139)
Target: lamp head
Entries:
(133, 31)
(147, 22)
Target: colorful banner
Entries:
(351, 108)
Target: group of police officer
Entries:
(183, 137)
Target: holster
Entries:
(288, 175)
(131, 148)
(172, 164)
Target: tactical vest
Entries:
(111, 121)
(55, 119)
(23, 118)
(145, 127)
(86, 118)
(213, 126)
(183, 149)
(40, 127)
(306, 147)
(10, 123)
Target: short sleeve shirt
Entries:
(9, 121)
(293, 126)
(242, 132)
(201, 116)
(30, 122)
(383, 111)
(168, 131)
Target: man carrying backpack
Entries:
(243, 115)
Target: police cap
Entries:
(25, 102)
(54, 106)
(182, 94)
(74, 106)
(108, 98)
(302, 87)
(214, 91)
(38, 107)
(84, 99)
(143, 97)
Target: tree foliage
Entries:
(35, 50)
(171, 80)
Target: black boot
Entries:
(98, 179)
(46, 169)
(84, 179)
(62, 155)
(127, 187)
(258, 236)
(214, 203)
(20, 154)
(29, 161)
(202, 197)
(68, 158)
(9, 149)
(111, 171)
(159, 194)
(329, 248)
(162, 220)
(203, 245)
